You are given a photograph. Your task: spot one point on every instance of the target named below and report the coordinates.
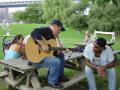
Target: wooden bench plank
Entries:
(23, 87)
(116, 52)
(35, 83)
(73, 81)
(73, 55)
(4, 74)
(12, 82)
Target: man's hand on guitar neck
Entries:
(44, 45)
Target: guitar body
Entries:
(34, 52)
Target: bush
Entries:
(104, 18)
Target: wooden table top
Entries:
(17, 64)
(82, 44)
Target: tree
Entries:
(54, 9)
(72, 14)
(75, 15)
(103, 2)
(17, 16)
(32, 14)
(104, 18)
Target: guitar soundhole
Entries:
(39, 46)
(36, 42)
(55, 53)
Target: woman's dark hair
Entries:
(17, 37)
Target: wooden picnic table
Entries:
(75, 60)
(83, 44)
(26, 78)
(25, 73)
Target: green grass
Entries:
(69, 37)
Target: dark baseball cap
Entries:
(101, 42)
(59, 23)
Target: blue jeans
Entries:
(55, 65)
(91, 80)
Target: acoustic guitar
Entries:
(35, 53)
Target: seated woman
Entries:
(16, 48)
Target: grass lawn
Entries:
(69, 37)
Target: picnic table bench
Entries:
(26, 78)
(84, 44)
(74, 60)
(25, 72)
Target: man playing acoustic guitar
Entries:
(54, 63)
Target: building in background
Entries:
(3, 13)
(8, 7)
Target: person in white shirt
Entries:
(100, 58)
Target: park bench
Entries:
(105, 33)
(27, 80)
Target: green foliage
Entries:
(17, 15)
(75, 15)
(32, 14)
(72, 14)
(77, 21)
(54, 9)
(104, 2)
(104, 18)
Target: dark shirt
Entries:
(45, 32)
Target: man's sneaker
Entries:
(63, 79)
(57, 85)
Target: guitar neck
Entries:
(59, 48)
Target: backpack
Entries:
(6, 44)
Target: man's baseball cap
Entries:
(101, 42)
(59, 23)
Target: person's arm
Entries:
(59, 44)
(111, 58)
(102, 69)
(110, 65)
(38, 35)
(89, 64)
(23, 52)
(88, 53)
